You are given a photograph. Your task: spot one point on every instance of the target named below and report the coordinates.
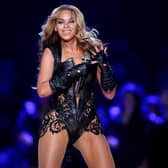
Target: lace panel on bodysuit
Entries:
(94, 126)
(51, 121)
(55, 120)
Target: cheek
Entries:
(74, 26)
(75, 29)
(58, 27)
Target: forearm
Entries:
(108, 95)
(44, 89)
(107, 78)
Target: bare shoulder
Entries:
(46, 66)
(47, 60)
(47, 55)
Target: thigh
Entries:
(52, 148)
(95, 150)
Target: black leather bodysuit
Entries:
(68, 112)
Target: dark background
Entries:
(135, 30)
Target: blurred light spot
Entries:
(113, 141)
(114, 112)
(103, 116)
(30, 107)
(26, 137)
(156, 119)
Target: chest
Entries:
(77, 56)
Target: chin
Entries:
(66, 39)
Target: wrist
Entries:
(104, 67)
(101, 58)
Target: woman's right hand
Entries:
(62, 81)
(79, 70)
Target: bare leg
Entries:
(51, 149)
(95, 150)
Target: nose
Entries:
(66, 25)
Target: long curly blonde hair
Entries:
(86, 38)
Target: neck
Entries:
(70, 45)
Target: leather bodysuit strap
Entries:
(56, 51)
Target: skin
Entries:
(94, 148)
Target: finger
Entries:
(105, 49)
(102, 47)
(93, 52)
(93, 62)
(97, 49)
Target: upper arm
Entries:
(108, 95)
(46, 66)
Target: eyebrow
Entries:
(63, 19)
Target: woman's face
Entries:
(66, 25)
